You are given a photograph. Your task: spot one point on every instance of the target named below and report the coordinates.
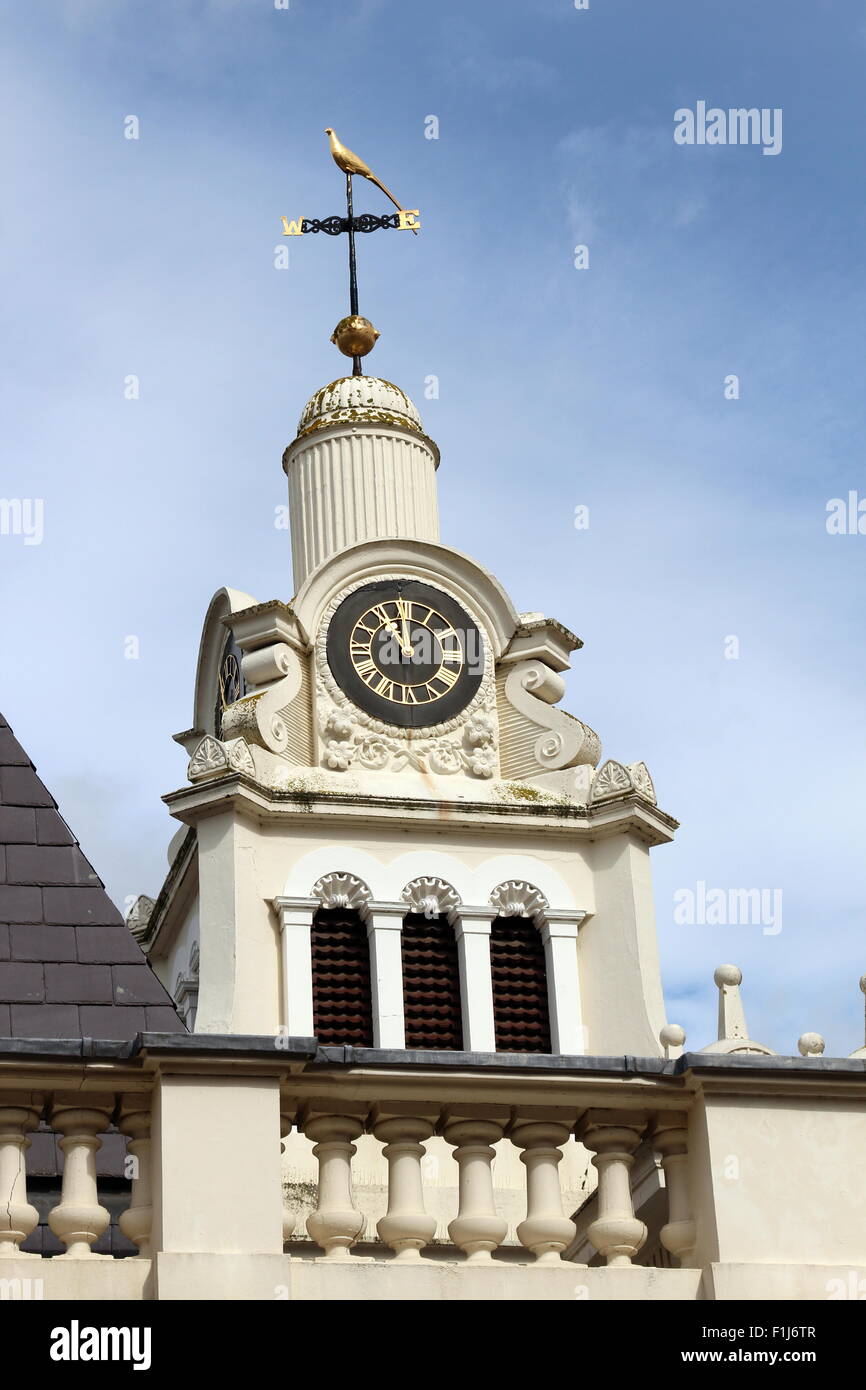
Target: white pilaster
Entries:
(559, 935)
(384, 928)
(472, 930)
(296, 958)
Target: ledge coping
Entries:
(307, 1050)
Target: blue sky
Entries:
(558, 387)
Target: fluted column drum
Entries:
(360, 468)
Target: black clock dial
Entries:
(230, 681)
(405, 652)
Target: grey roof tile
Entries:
(51, 828)
(11, 752)
(79, 984)
(20, 904)
(22, 982)
(107, 1021)
(132, 985)
(79, 906)
(38, 942)
(45, 1021)
(18, 824)
(48, 864)
(43, 1156)
(4, 941)
(19, 786)
(161, 1019)
(109, 946)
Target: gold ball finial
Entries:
(355, 336)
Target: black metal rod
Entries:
(357, 370)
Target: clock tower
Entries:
(392, 836)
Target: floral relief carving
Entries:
(642, 781)
(612, 779)
(208, 760)
(240, 757)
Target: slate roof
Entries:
(69, 966)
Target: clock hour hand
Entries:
(405, 646)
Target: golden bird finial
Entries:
(351, 163)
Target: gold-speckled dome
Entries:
(359, 400)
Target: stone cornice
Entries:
(264, 623)
(629, 814)
(372, 422)
(449, 1078)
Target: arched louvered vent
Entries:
(431, 983)
(517, 964)
(342, 999)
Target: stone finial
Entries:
(672, 1037)
(810, 1044)
(861, 1051)
(733, 1030)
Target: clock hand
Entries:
(405, 647)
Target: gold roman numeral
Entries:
(448, 678)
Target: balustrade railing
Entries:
(403, 1124)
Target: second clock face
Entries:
(405, 652)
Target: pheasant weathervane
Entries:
(354, 336)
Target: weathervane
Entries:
(354, 335)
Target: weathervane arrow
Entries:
(355, 336)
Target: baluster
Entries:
(79, 1220)
(19, 1113)
(336, 1223)
(546, 1230)
(406, 1228)
(136, 1222)
(670, 1138)
(613, 1136)
(477, 1230)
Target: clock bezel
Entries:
(433, 713)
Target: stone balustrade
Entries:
(377, 1215)
(478, 1229)
(333, 1122)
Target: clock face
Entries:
(230, 681)
(405, 652)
